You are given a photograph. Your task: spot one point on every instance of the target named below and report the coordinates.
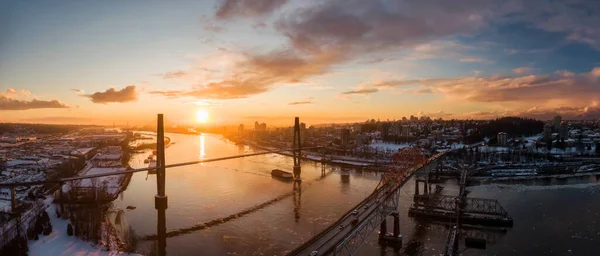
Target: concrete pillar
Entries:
(60, 190)
(383, 228)
(297, 172)
(396, 224)
(62, 197)
(416, 187)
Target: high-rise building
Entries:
(556, 123)
(502, 139)
(359, 139)
(357, 128)
(344, 137)
(241, 130)
(547, 132)
(405, 131)
(437, 134)
(563, 131)
(395, 129)
(303, 133)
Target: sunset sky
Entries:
(325, 61)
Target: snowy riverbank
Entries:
(59, 243)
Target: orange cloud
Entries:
(255, 74)
(521, 70)
(301, 102)
(560, 86)
(7, 103)
(127, 94)
(176, 74)
(360, 91)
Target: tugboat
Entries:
(276, 173)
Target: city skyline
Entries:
(230, 62)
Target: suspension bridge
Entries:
(343, 237)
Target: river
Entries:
(549, 220)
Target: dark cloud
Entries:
(229, 9)
(127, 94)
(361, 91)
(577, 19)
(356, 26)
(78, 91)
(301, 102)
(328, 33)
(7, 103)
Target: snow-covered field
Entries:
(59, 243)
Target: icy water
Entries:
(548, 220)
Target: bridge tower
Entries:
(160, 199)
(297, 151)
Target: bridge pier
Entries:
(391, 239)
(426, 189)
(13, 200)
(396, 224)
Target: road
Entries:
(329, 238)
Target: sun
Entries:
(202, 116)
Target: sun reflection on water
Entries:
(202, 154)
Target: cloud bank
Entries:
(13, 100)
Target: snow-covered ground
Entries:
(388, 146)
(112, 182)
(567, 151)
(492, 149)
(457, 145)
(59, 243)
